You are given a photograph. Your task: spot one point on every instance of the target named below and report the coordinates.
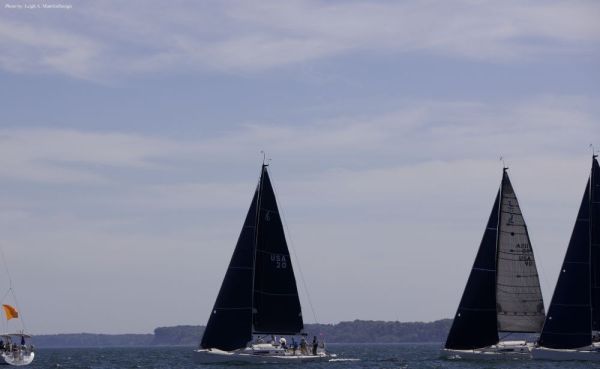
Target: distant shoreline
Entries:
(351, 332)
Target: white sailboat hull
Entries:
(505, 350)
(18, 358)
(583, 354)
(248, 355)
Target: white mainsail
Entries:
(519, 302)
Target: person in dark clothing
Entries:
(315, 345)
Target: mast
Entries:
(499, 226)
(257, 219)
(594, 230)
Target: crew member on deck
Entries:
(303, 348)
(315, 345)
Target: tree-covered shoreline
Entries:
(357, 331)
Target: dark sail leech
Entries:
(475, 323)
(229, 325)
(276, 301)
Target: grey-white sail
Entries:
(519, 302)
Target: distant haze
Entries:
(130, 139)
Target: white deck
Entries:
(259, 353)
(583, 354)
(19, 357)
(505, 350)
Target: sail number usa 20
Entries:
(280, 261)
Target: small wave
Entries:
(390, 360)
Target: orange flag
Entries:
(10, 312)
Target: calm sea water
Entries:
(405, 356)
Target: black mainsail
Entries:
(573, 312)
(259, 292)
(276, 301)
(503, 291)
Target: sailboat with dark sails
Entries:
(258, 299)
(503, 294)
(573, 322)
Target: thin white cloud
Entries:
(104, 39)
(415, 131)
(47, 155)
(30, 48)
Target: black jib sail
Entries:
(503, 290)
(570, 316)
(474, 324)
(229, 325)
(259, 293)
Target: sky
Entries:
(131, 132)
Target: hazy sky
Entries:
(131, 131)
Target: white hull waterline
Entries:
(505, 350)
(583, 354)
(19, 357)
(259, 354)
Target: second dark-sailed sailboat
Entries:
(259, 297)
(503, 291)
(574, 314)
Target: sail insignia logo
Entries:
(280, 261)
